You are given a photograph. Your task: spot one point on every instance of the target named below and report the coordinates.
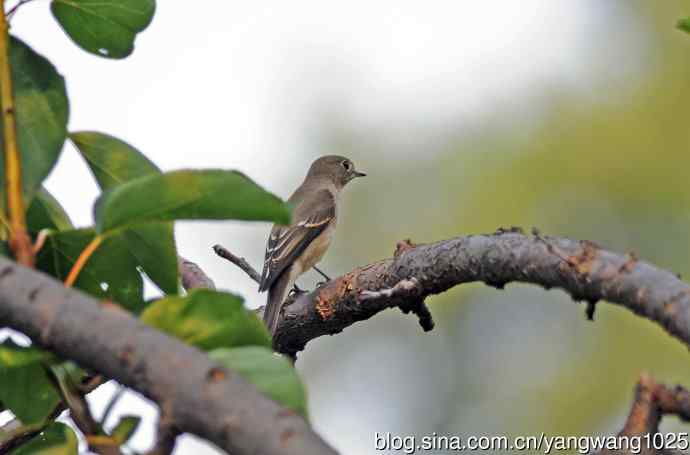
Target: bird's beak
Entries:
(360, 174)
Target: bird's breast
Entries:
(317, 248)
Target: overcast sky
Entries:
(245, 85)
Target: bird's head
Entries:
(338, 169)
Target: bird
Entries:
(296, 248)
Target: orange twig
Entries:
(82, 259)
(20, 242)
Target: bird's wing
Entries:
(286, 243)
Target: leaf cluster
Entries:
(132, 233)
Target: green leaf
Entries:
(125, 428)
(272, 374)
(42, 110)
(111, 160)
(188, 194)
(114, 162)
(45, 212)
(57, 439)
(69, 371)
(684, 24)
(208, 319)
(14, 356)
(153, 246)
(25, 387)
(110, 273)
(104, 27)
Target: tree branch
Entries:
(652, 401)
(14, 9)
(235, 416)
(80, 413)
(239, 262)
(407, 288)
(192, 276)
(20, 242)
(166, 436)
(207, 400)
(14, 433)
(581, 268)
(82, 259)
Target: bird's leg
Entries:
(322, 274)
(321, 283)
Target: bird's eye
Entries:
(346, 165)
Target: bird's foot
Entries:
(296, 291)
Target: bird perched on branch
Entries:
(293, 250)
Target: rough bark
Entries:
(581, 268)
(652, 401)
(584, 270)
(219, 406)
(192, 276)
(197, 395)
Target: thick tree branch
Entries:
(199, 396)
(581, 268)
(14, 433)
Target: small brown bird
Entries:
(293, 250)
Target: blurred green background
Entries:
(611, 166)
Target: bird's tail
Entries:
(276, 296)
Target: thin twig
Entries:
(239, 262)
(41, 239)
(166, 436)
(14, 433)
(20, 241)
(82, 259)
(112, 403)
(14, 9)
(99, 442)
